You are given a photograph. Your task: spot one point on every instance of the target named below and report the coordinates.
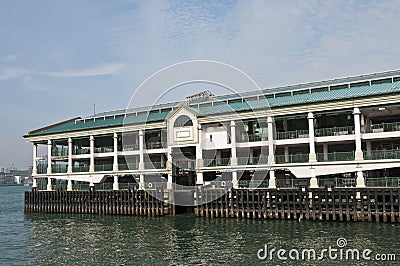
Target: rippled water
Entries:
(53, 239)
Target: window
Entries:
(183, 121)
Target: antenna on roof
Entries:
(94, 109)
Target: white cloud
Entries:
(11, 57)
(13, 72)
(100, 70)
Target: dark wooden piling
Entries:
(343, 204)
(120, 202)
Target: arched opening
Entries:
(183, 121)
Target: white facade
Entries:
(354, 137)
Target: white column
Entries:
(272, 179)
(115, 184)
(34, 170)
(141, 182)
(69, 169)
(69, 185)
(325, 151)
(362, 121)
(49, 188)
(91, 167)
(369, 147)
(169, 154)
(286, 150)
(271, 158)
(234, 161)
(34, 184)
(49, 156)
(357, 132)
(313, 179)
(115, 165)
(218, 156)
(235, 182)
(251, 155)
(141, 150)
(285, 124)
(360, 181)
(312, 156)
(162, 161)
(199, 158)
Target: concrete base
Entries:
(141, 186)
(360, 180)
(312, 157)
(199, 163)
(359, 155)
(313, 182)
(69, 185)
(169, 185)
(272, 183)
(141, 166)
(199, 179)
(271, 159)
(235, 184)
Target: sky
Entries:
(59, 58)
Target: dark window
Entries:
(183, 121)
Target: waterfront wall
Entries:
(340, 204)
(120, 202)
(337, 204)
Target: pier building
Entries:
(344, 131)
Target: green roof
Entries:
(160, 112)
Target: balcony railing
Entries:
(42, 169)
(124, 166)
(292, 158)
(155, 145)
(382, 154)
(104, 149)
(296, 134)
(244, 137)
(154, 165)
(335, 156)
(252, 161)
(58, 168)
(383, 182)
(185, 164)
(338, 181)
(82, 168)
(216, 162)
(103, 167)
(290, 183)
(334, 131)
(253, 184)
(59, 151)
(82, 150)
(383, 127)
(131, 147)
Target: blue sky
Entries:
(58, 58)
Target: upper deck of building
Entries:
(334, 90)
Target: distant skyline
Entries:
(58, 58)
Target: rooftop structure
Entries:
(344, 129)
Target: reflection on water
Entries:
(48, 239)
